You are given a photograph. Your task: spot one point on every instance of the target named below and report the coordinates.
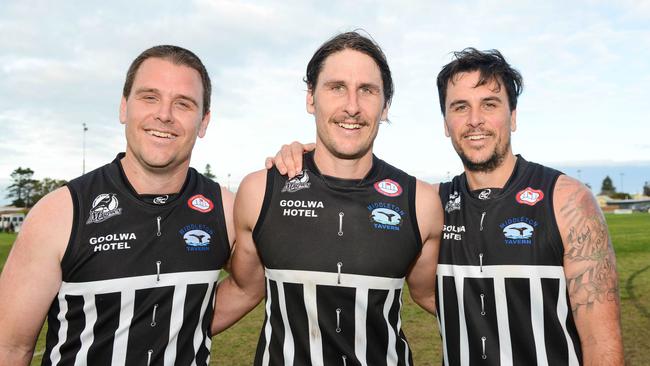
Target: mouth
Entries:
(477, 136)
(349, 125)
(161, 134)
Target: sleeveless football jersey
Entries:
(138, 276)
(501, 289)
(336, 253)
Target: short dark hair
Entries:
(178, 56)
(357, 42)
(492, 67)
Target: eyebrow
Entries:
(492, 99)
(157, 91)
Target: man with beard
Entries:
(526, 271)
(332, 247)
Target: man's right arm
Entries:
(240, 292)
(32, 276)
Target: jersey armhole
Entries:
(554, 233)
(266, 203)
(222, 223)
(67, 259)
(412, 185)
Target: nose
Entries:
(352, 104)
(475, 118)
(164, 113)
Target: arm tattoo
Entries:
(592, 278)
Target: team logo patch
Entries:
(386, 216)
(388, 187)
(197, 237)
(300, 181)
(454, 202)
(530, 196)
(200, 203)
(485, 194)
(519, 230)
(104, 207)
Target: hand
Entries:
(289, 159)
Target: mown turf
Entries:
(630, 235)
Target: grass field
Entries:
(631, 237)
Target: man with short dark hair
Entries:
(332, 247)
(526, 270)
(124, 259)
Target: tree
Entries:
(646, 189)
(607, 189)
(22, 187)
(208, 173)
(46, 186)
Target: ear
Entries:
(310, 101)
(513, 121)
(384, 112)
(444, 122)
(203, 126)
(123, 111)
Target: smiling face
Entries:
(479, 121)
(163, 114)
(348, 104)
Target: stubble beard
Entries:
(494, 161)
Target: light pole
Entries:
(83, 168)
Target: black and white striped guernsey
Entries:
(138, 276)
(501, 291)
(336, 253)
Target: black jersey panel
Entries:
(336, 321)
(480, 315)
(519, 321)
(556, 346)
(377, 329)
(451, 319)
(191, 313)
(101, 350)
(298, 322)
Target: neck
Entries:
(493, 179)
(329, 164)
(153, 181)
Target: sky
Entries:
(62, 64)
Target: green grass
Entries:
(631, 238)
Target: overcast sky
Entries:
(585, 67)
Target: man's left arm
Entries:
(422, 276)
(590, 270)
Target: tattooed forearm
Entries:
(589, 257)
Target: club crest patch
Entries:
(530, 196)
(104, 207)
(200, 203)
(454, 202)
(388, 187)
(300, 181)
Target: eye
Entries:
(184, 104)
(460, 108)
(149, 98)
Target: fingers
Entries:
(269, 162)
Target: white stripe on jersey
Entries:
(391, 355)
(331, 279)
(87, 335)
(503, 323)
(175, 323)
(399, 326)
(441, 322)
(499, 273)
(360, 316)
(127, 286)
(267, 328)
(55, 356)
(315, 336)
(537, 320)
(288, 349)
